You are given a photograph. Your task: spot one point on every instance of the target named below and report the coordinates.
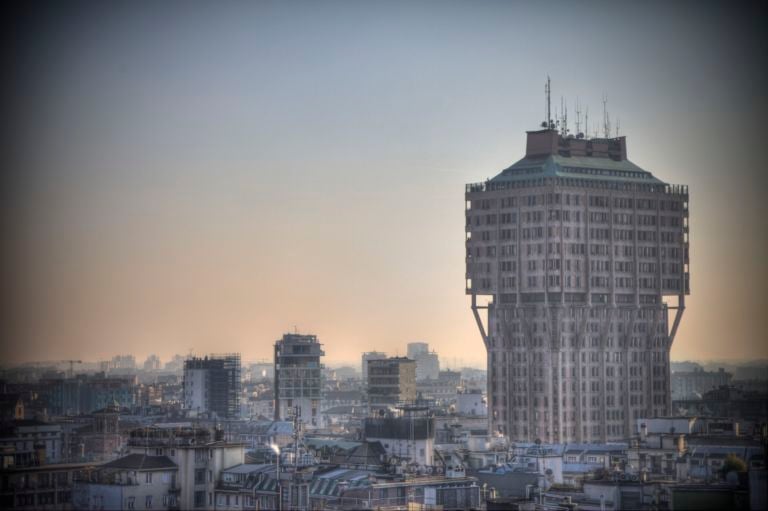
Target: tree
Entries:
(733, 463)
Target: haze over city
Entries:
(190, 178)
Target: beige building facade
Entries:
(580, 260)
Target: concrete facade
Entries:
(298, 378)
(370, 355)
(212, 386)
(391, 381)
(576, 251)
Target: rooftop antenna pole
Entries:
(617, 127)
(565, 118)
(578, 117)
(586, 123)
(606, 131)
(548, 92)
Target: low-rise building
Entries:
(410, 436)
(43, 487)
(472, 403)
(199, 455)
(31, 442)
(135, 481)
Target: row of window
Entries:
(599, 201)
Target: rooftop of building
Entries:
(581, 167)
(141, 462)
(550, 155)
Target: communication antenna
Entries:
(586, 123)
(578, 118)
(606, 130)
(617, 127)
(548, 94)
(564, 109)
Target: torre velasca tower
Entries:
(580, 259)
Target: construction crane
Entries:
(71, 373)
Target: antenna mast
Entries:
(563, 116)
(548, 93)
(617, 127)
(586, 123)
(578, 118)
(606, 129)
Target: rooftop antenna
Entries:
(548, 94)
(578, 118)
(617, 127)
(586, 123)
(563, 116)
(606, 130)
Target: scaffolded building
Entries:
(578, 255)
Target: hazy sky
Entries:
(208, 176)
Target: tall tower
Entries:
(298, 378)
(581, 255)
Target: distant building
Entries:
(427, 362)
(123, 362)
(152, 363)
(212, 386)
(87, 393)
(370, 355)
(750, 408)
(298, 378)
(391, 381)
(692, 384)
(262, 371)
(417, 348)
(443, 389)
(175, 364)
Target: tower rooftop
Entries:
(549, 154)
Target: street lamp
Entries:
(276, 449)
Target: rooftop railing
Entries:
(489, 186)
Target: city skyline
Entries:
(200, 180)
